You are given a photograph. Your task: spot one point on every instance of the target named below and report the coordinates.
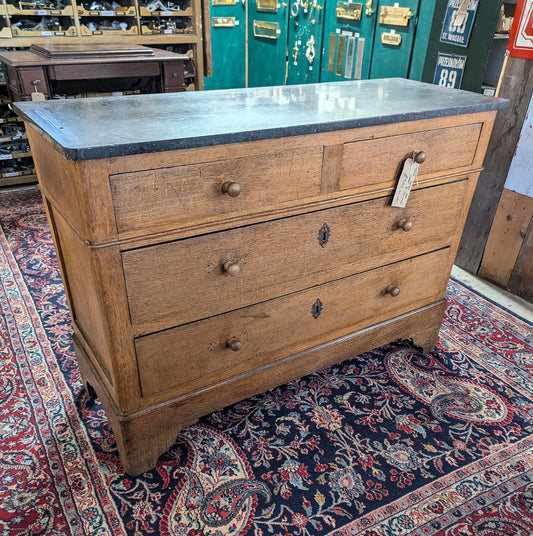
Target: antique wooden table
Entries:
(216, 244)
(62, 68)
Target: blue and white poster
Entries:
(449, 70)
(458, 22)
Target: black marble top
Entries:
(103, 127)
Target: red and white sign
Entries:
(521, 38)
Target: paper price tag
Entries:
(405, 183)
(38, 96)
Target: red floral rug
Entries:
(389, 443)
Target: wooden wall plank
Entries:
(506, 237)
(517, 86)
(521, 282)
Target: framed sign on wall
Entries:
(521, 38)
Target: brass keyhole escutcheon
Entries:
(323, 235)
(316, 309)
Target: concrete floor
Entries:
(506, 299)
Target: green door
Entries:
(393, 39)
(305, 41)
(469, 54)
(267, 42)
(228, 43)
(348, 40)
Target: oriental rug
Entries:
(389, 443)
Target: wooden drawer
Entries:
(195, 355)
(179, 196)
(370, 162)
(21, 81)
(183, 281)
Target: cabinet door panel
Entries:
(228, 43)
(393, 42)
(347, 30)
(267, 42)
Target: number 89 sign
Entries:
(449, 70)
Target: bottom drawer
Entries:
(194, 355)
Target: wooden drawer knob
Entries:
(405, 224)
(231, 268)
(232, 188)
(234, 343)
(420, 157)
(392, 290)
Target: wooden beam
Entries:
(517, 86)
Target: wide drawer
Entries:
(182, 281)
(201, 353)
(379, 161)
(170, 197)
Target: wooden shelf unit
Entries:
(10, 177)
(76, 30)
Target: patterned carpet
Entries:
(389, 443)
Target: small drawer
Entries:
(174, 73)
(33, 79)
(209, 351)
(380, 161)
(186, 280)
(177, 196)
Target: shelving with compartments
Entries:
(59, 71)
(16, 162)
(176, 23)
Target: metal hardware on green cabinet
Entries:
(395, 15)
(348, 38)
(267, 42)
(228, 43)
(305, 41)
(393, 41)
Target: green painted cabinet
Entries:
(460, 43)
(267, 42)
(348, 39)
(394, 38)
(228, 36)
(304, 41)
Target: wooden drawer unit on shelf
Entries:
(214, 267)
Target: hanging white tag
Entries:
(38, 96)
(405, 183)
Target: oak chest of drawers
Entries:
(214, 245)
